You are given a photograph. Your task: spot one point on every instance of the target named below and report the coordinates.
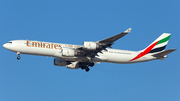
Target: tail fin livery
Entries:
(155, 47)
(159, 44)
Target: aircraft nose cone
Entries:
(4, 45)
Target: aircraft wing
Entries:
(115, 37)
(102, 45)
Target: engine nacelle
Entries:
(60, 62)
(68, 52)
(90, 45)
(73, 65)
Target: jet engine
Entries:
(60, 62)
(90, 45)
(73, 65)
(68, 52)
(68, 64)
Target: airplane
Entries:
(86, 55)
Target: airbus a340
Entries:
(85, 56)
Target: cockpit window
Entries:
(9, 42)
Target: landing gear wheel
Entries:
(18, 57)
(87, 69)
(18, 53)
(91, 64)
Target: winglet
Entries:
(128, 30)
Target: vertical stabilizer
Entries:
(155, 47)
(159, 44)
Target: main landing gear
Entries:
(86, 68)
(18, 53)
(86, 65)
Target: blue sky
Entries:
(35, 78)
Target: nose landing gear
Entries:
(18, 57)
(18, 53)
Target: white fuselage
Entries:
(54, 50)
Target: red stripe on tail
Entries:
(147, 50)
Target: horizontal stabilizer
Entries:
(163, 54)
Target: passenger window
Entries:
(9, 42)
